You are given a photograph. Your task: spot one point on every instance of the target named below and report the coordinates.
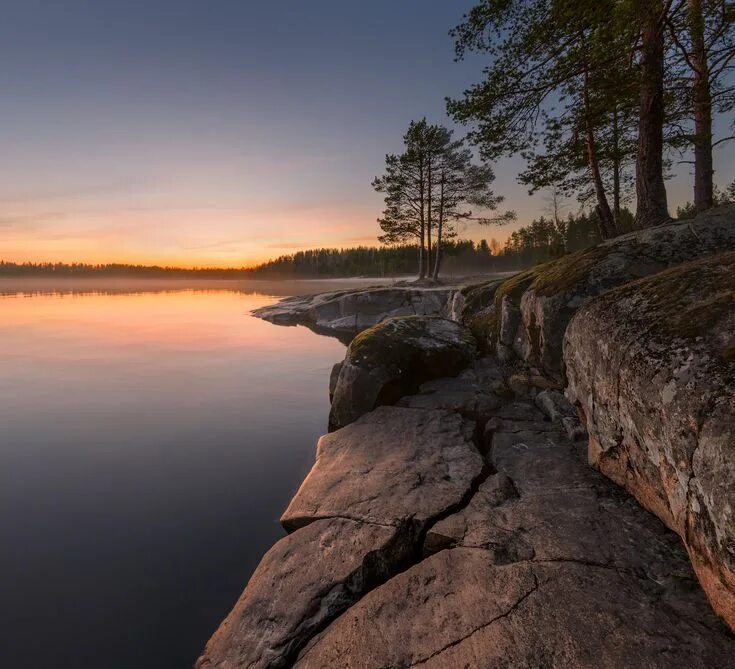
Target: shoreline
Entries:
(493, 516)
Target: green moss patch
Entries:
(685, 302)
(560, 275)
(397, 342)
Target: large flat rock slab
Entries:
(301, 584)
(393, 359)
(651, 366)
(549, 565)
(391, 467)
(458, 609)
(348, 312)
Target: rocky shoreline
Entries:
(345, 313)
(451, 519)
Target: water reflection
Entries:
(149, 443)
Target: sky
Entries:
(219, 133)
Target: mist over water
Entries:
(149, 442)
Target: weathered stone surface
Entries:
(473, 393)
(333, 378)
(474, 307)
(393, 359)
(391, 467)
(307, 579)
(348, 312)
(545, 503)
(458, 609)
(558, 409)
(651, 367)
(536, 306)
(549, 565)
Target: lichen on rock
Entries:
(535, 306)
(648, 367)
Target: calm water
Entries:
(148, 443)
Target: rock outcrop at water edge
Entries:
(392, 359)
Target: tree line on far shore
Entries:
(543, 239)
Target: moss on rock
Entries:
(684, 302)
(392, 359)
(394, 342)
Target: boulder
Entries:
(392, 467)
(651, 366)
(345, 313)
(533, 308)
(307, 579)
(393, 359)
(548, 565)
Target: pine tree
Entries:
(704, 36)
(557, 91)
(428, 188)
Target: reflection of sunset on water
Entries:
(139, 431)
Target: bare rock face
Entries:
(345, 313)
(558, 408)
(651, 366)
(393, 359)
(392, 467)
(549, 565)
(357, 520)
(475, 393)
(474, 307)
(535, 306)
(302, 583)
(468, 612)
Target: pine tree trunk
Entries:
(422, 238)
(652, 208)
(703, 161)
(422, 254)
(607, 224)
(429, 189)
(616, 171)
(439, 230)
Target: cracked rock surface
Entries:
(357, 520)
(652, 367)
(301, 584)
(468, 612)
(392, 466)
(548, 565)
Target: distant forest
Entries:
(541, 240)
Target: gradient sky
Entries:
(222, 132)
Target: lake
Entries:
(149, 442)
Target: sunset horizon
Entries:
(164, 154)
